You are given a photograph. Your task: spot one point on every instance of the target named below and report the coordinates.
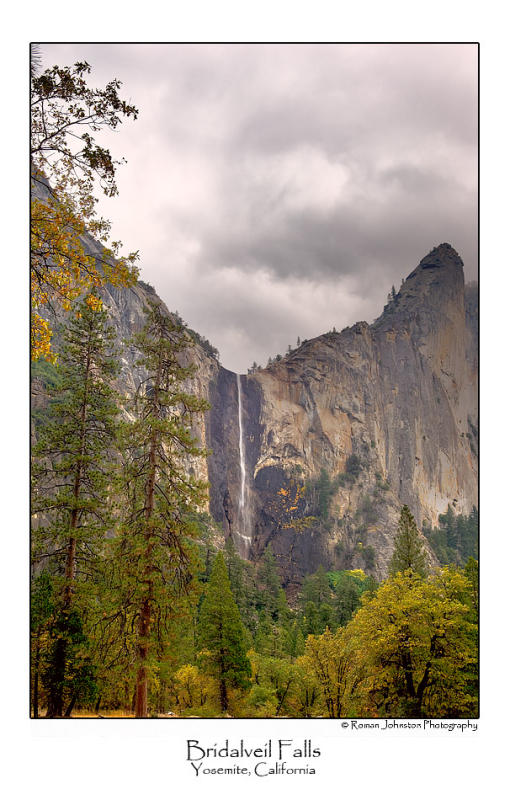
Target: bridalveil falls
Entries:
(246, 539)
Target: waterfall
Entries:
(242, 465)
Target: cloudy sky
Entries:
(276, 191)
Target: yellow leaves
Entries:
(40, 339)
(192, 687)
(93, 302)
(356, 573)
(411, 622)
(61, 267)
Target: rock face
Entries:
(397, 399)
(370, 418)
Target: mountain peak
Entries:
(430, 287)
(444, 255)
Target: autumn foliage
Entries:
(67, 168)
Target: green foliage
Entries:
(42, 608)
(327, 660)
(321, 491)
(409, 651)
(72, 455)
(46, 372)
(348, 591)
(273, 682)
(325, 492)
(221, 635)
(153, 553)
(412, 647)
(204, 343)
(353, 465)
(152, 606)
(242, 582)
(408, 553)
(71, 503)
(269, 583)
(69, 671)
(456, 538)
(41, 601)
(369, 556)
(472, 574)
(317, 587)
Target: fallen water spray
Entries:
(241, 448)
(245, 539)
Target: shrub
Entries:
(353, 465)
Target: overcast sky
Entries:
(276, 191)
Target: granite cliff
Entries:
(389, 409)
(317, 453)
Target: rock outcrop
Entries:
(397, 399)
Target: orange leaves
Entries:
(93, 302)
(285, 505)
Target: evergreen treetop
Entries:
(408, 553)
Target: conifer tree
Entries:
(72, 477)
(270, 583)
(161, 493)
(235, 570)
(222, 636)
(41, 610)
(408, 553)
(348, 598)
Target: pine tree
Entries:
(408, 553)
(269, 581)
(237, 579)
(72, 477)
(348, 598)
(41, 611)
(154, 554)
(222, 636)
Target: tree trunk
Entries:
(56, 700)
(144, 624)
(282, 699)
(56, 694)
(223, 695)
(71, 705)
(141, 693)
(143, 649)
(71, 547)
(35, 700)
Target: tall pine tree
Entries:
(408, 553)
(72, 477)
(153, 552)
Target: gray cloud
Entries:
(276, 191)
